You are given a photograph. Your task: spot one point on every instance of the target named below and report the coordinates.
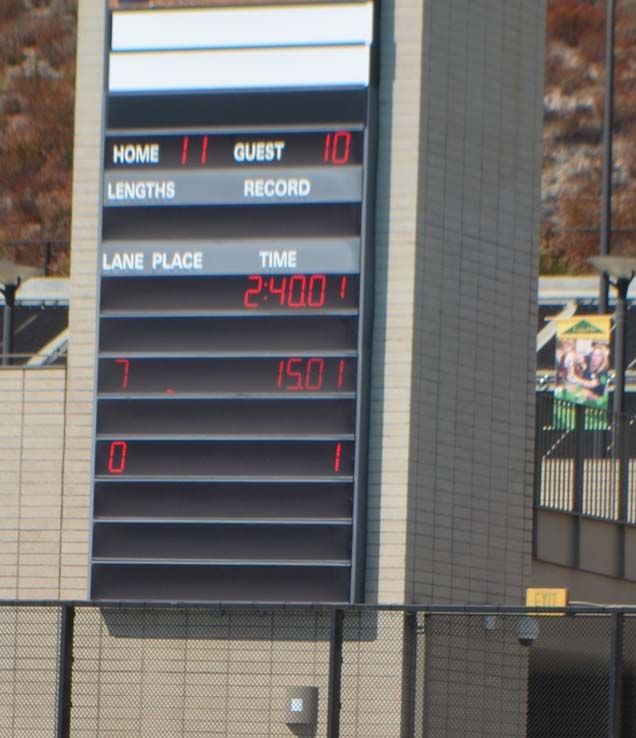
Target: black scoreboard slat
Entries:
(234, 313)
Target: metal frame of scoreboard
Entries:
(235, 303)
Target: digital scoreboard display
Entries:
(234, 303)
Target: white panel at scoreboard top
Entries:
(243, 27)
(239, 48)
(249, 47)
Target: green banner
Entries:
(583, 360)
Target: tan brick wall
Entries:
(31, 467)
(395, 244)
(82, 320)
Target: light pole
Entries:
(608, 131)
(619, 271)
(11, 276)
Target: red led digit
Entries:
(327, 151)
(281, 367)
(317, 289)
(337, 151)
(125, 363)
(341, 367)
(117, 457)
(278, 290)
(341, 147)
(297, 375)
(298, 282)
(254, 291)
(184, 151)
(314, 374)
(343, 288)
(204, 150)
(336, 461)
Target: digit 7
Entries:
(126, 366)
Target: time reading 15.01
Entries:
(256, 375)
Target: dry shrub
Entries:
(553, 69)
(10, 9)
(628, 156)
(36, 157)
(575, 128)
(624, 210)
(570, 21)
(10, 105)
(566, 252)
(53, 42)
(625, 113)
(566, 248)
(11, 46)
(623, 242)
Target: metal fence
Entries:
(585, 460)
(75, 670)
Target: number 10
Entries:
(337, 148)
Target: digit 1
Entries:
(117, 457)
(336, 462)
(184, 151)
(204, 150)
(343, 288)
(281, 367)
(327, 153)
(126, 365)
(341, 367)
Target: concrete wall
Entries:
(472, 424)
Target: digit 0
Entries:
(337, 149)
(314, 374)
(117, 457)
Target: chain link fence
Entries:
(81, 671)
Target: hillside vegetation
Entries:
(573, 131)
(37, 75)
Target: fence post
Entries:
(579, 479)
(538, 467)
(47, 258)
(623, 491)
(409, 664)
(615, 690)
(335, 674)
(65, 671)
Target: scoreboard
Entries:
(234, 303)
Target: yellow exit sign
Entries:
(541, 597)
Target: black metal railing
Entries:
(140, 670)
(585, 460)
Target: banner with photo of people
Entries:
(583, 360)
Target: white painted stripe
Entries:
(197, 28)
(337, 66)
